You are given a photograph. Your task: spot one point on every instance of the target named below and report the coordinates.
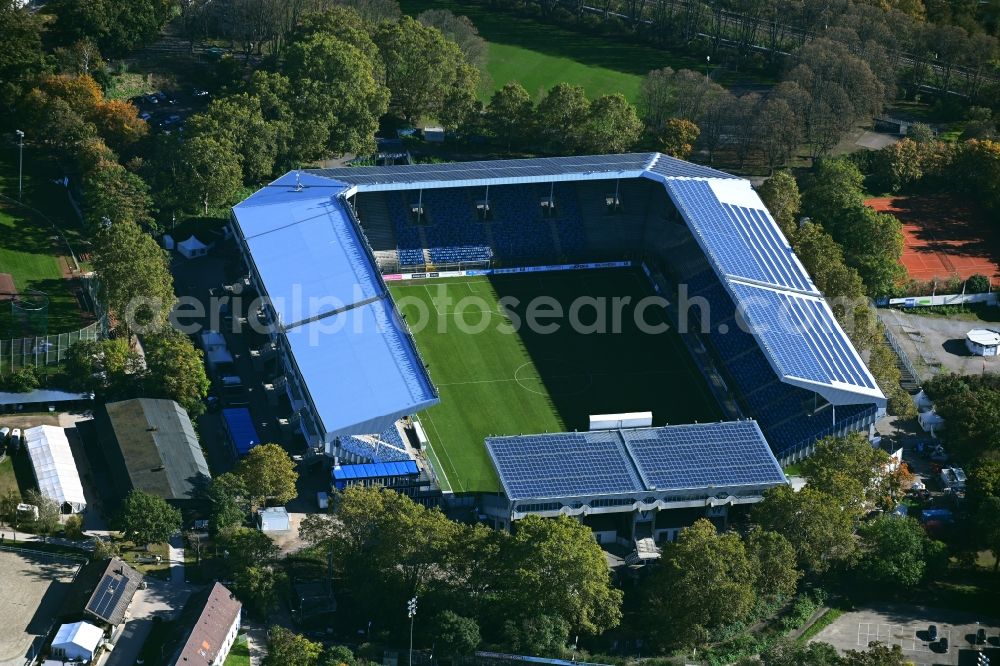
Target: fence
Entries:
(941, 299)
(901, 354)
(43, 351)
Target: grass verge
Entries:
(821, 623)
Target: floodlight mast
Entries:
(411, 611)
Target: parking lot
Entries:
(34, 587)
(908, 627)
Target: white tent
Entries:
(274, 519)
(930, 421)
(54, 467)
(192, 247)
(76, 641)
(923, 401)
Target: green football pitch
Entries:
(497, 375)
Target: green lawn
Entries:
(494, 381)
(539, 55)
(240, 654)
(8, 480)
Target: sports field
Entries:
(499, 376)
(539, 55)
(944, 236)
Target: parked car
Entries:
(943, 644)
(151, 98)
(15, 439)
(932, 633)
(146, 115)
(198, 92)
(981, 637)
(4, 434)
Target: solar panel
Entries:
(802, 336)
(699, 456)
(741, 241)
(616, 462)
(671, 167)
(107, 596)
(524, 168)
(563, 465)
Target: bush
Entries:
(24, 380)
(977, 284)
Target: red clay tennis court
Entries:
(943, 237)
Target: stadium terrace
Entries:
(325, 247)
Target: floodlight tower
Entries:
(411, 611)
(20, 161)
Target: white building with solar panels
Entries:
(320, 244)
(633, 483)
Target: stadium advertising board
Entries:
(507, 271)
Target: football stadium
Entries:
(476, 317)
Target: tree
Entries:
(562, 570)
(896, 552)
(8, 508)
(118, 26)
(677, 138)
(110, 368)
(239, 121)
(21, 54)
(455, 636)
(227, 496)
(247, 547)
(703, 581)
(23, 380)
(508, 115)
(987, 522)
(787, 652)
(144, 519)
(978, 284)
(119, 124)
(560, 118)
(852, 470)
(820, 531)
(536, 635)
(876, 655)
(48, 511)
(206, 172)
(175, 370)
(113, 193)
(286, 648)
(460, 30)
(258, 587)
(780, 193)
(338, 655)
(137, 286)
(427, 75)
(971, 405)
(773, 560)
(337, 86)
(779, 131)
(984, 478)
(657, 98)
(612, 125)
(268, 474)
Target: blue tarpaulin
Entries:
(343, 475)
(239, 426)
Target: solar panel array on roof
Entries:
(563, 465)
(458, 171)
(698, 456)
(672, 167)
(802, 336)
(108, 595)
(621, 462)
(742, 241)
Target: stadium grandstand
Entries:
(332, 250)
(642, 482)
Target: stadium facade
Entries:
(321, 244)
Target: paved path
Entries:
(175, 554)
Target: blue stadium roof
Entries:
(374, 470)
(241, 429)
(639, 460)
(361, 369)
(360, 366)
